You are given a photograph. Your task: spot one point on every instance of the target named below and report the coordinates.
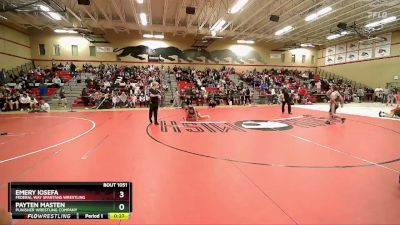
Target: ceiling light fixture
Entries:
(63, 31)
(44, 8)
(318, 14)
(333, 36)
(157, 36)
(139, 1)
(218, 25)
(381, 22)
(54, 15)
(284, 30)
(238, 6)
(307, 45)
(245, 41)
(143, 19)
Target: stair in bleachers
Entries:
(236, 79)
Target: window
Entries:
(303, 59)
(283, 57)
(293, 58)
(312, 59)
(56, 50)
(42, 50)
(92, 50)
(74, 50)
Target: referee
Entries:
(286, 99)
(155, 97)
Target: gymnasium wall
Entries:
(15, 47)
(375, 72)
(122, 40)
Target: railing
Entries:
(24, 68)
(333, 76)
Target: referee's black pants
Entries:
(288, 105)
(153, 112)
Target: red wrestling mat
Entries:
(245, 165)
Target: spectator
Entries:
(56, 82)
(85, 97)
(44, 106)
(63, 99)
(24, 102)
(43, 89)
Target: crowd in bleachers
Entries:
(120, 86)
(209, 86)
(28, 90)
(123, 86)
(307, 87)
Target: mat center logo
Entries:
(264, 125)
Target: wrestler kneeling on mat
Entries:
(335, 98)
(394, 113)
(193, 115)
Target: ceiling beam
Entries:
(103, 12)
(117, 5)
(178, 16)
(300, 23)
(210, 16)
(165, 10)
(93, 17)
(101, 9)
(149, 12)
(135, 15)
(322, 24)
(274, 10)
(261, 9)
(360, 20)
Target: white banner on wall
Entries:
(329, 60)
(330, 51)
(352, 46)
(340, 48)
(365, 54)
(352, 56)
(365, 45)
(386, 39)
(275, 55)
(340, 58)
(104, 49)
(382, 51)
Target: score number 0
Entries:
(121, 206)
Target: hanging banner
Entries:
(384, 39)
(340, 48)
(352, 46)
(352, 56)
(365, 54)
(329, 60)
(330, 51)
(340, 58)
(382, 51)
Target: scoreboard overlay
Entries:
(70, 200)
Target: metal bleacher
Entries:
(332, 76)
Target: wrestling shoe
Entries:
(343, 120)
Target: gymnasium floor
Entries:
(293, 170)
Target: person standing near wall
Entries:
(155, 97)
